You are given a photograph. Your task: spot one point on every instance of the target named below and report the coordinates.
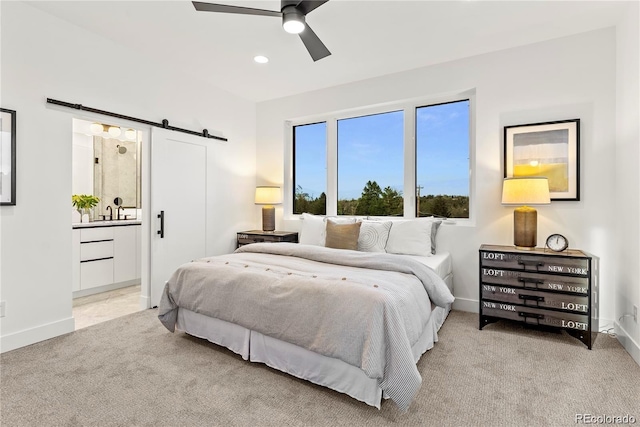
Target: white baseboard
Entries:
(105, 288)
(37, 334)
(463, 304)
(145, 302)
(627, 342)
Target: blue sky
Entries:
(371, 148)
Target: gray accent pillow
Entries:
(342, 236)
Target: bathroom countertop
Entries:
(113, 223)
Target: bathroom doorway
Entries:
(106, 215)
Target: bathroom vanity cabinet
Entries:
(106, 255)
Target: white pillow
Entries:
(411, 237)
(373, 236)
(434, 228)
(314, 228)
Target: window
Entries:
(409, 159)
(442, 160)
(370, 164)
(310, 168)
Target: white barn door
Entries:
(178, 204)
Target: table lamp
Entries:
(525, 191)
(268, 196)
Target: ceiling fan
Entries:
(293, 13)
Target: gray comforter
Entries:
(366, 309)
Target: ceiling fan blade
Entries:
(306, 6)
(314, 45)
(212, 7)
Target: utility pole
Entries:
(418, 188)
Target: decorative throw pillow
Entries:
(412, 237)
(313, 230)
(342, 236)
(434, 228)
(373, 236)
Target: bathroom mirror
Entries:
(116, 172)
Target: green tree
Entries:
(300, 201)
(392, 202)
(319, 205)
(371, 200)
(440, 206)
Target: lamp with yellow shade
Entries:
(525, 191)
(268, 196)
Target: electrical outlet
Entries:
(2, 307)
(635, 313)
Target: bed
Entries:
(355, 322)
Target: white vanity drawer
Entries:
(96, 273)
(96, 250)
(98, 233)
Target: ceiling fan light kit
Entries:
(292, 20)
(293, 14)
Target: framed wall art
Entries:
(7, 157)
(549, 149)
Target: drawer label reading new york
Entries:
(496, 305)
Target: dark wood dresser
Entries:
(540, 287)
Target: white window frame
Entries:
(409, 108)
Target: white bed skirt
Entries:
(297, 361)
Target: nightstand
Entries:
(259, 236)
(540, 287)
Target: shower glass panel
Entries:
(116, 173)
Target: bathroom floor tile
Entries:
(104, 306)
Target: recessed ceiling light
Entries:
(261, 59)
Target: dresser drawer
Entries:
(529, 280)
(526, 262)
(96, 250)
(532, 298)
(535, 316)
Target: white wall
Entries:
(45, 57)
(572, 77)
(627, 208)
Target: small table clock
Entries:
(557, 242)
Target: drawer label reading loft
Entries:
(574, 325)
(499, 256)
(574, 306)
(493, 272)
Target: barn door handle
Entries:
(161, 231)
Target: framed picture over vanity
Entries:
(7, 157)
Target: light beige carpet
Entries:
(132, 372)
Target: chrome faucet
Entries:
(118, 212)
(110, 213)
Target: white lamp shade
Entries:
(268, 195)
(526, 191)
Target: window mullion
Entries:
(409, 191)
(332, 166)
